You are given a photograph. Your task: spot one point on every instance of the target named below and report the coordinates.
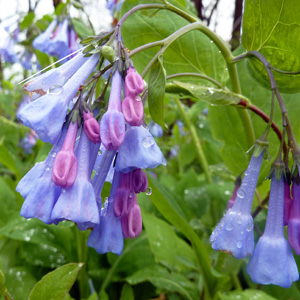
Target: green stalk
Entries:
(196, 141)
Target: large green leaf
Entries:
(272, 27)
(246, 295)
(3, 289)
(165, 281)
(56, 284)
(193, 52)
(166, 246)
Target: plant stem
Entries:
(197, 143)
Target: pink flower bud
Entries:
(91, 127)
(139, 181)
(288, 203)
(134, 221)
(134, 83)
(133, 110)
(65, 165)
(123, 201)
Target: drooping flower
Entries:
(133, 110)
(73, 45)
(138, 151)
(134, 83)
(234, 233)
(112, 127)
(46, 115)
(59, 44)
(272, 261)
(78, 202)
(7, 47)
(38, 189)
(288, 202)
(41, 42)
(294, 219)
(65, 165)
(108, 236)
(91, 127)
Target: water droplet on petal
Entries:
(249, 226)
(130, 195)
(138, 98)
(241, 193)
(228, 226)
(148, 141)
(240, 221)
(148, 191)
(53, 154)
(239, 244)
(63, 191)
(56, 90)
(47, 169)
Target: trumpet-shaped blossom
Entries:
(133, 110)
(234, 193)
(234, 233)
(112, 125)
(78, 202)
(138, 151)
(65, 165)
(272, 261)
(41, 42)
(294, 220)
(46, 115)
(134, 83)
(38, 189)
(139, 181)
(59, 44)
(91, 127)
(108, 236)
(7, 47)
(288, 203)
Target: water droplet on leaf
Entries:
(148, 191)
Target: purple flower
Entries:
(234, 193)
(29, 141)
(234, 233)
(7, 47)
(46, 115)
(138, 151)
(91, 127)
(288, 203)
(133, 110)
(65, 165)
(108, 236)
(272, 261)
(73, 45)
(38, 189)
(155, 129)
(112, 123)
(134, 83)
(59, 44)
(78, 202)
(42, 41)
(294, 220)
(26, 60)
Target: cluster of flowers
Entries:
(64, 186)
(7, 42)
(59, 39)
(271, 261)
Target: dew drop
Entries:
(47, 169)
(56, 90)
(219, 51)
(186, 192)
(239, 221)
(239, 244)
(63, 191)
(148, 191)
(148, 141)
(138, 98)
(228, 226)
(241, 193)
(27, 238)
(201, 125)
(242, 231)
(130, 195)
(211, 41)
(249, 226)
(53, 154)
(99, 152)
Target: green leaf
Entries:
(8, 160)
(164, 201)
(193, 52)
(273, 28)
(3, 289)
(156, 91)
(211, 95)
(166, 246)
(246, 295)
(19, 282)
(81, 29)
(127, 292)
(165, 281)
(27, 21)
(56, 284)
(10, 131)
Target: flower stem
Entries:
(197, 143)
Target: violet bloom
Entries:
(155, 129)
(46, 115)
(134, 83)
(294, 220)
(133, 110)
(234, 193)
(139, 181)
(112, 125)
(108, 236)
(26, 60)
(234, 233)
(29, 141)
(73, 45)
(138, 151)
(38, 189)
(7, 47)
(91, 127)
(41, 42)
(65, 165)
(288, 203)
(272, 261)
(78, 202)
(59, 44)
